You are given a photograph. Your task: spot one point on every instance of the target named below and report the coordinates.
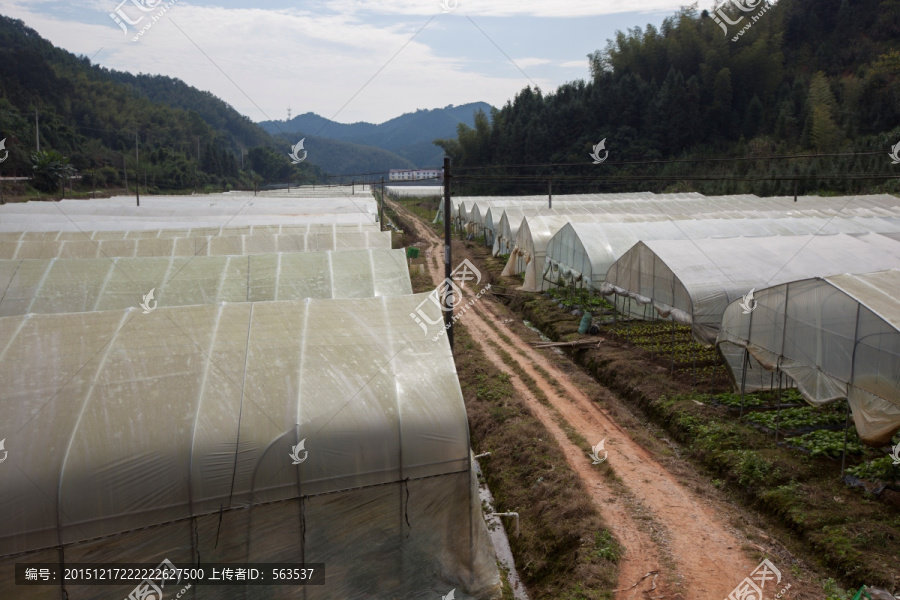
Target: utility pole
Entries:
(550, 193)
(37, 132)
(381, 212)
(137, 168)
(125, 169)
(449, 299)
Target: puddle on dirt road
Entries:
(499, 539)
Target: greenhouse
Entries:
(693, 281)
(316, 431)
(94, 284)
(414, 191)
(581, 253)
(193, 245)
(194, 206)
(836, 337)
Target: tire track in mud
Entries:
(707, 556)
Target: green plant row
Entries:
(828, 443)
(795, 418)
(880, 469)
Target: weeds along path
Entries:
(704, 557)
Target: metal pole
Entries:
(550, 193)
(778, 410)
(846, 434)
(37, 133)
(673, 344)
(852, 379)
(137, 168)
(381, 212)
(746, 362)
(448, 271)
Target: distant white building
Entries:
(415, 174)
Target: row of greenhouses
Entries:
(806, 287)
(182, 384)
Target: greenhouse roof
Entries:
(694, 280)
(95, 284)
(196, 245)
(117, 420)
(836, 337)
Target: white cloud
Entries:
(312, 62)
(322, 56)
(532, 62)
(507, 8)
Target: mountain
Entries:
(796, 77)
(339, 158)
(410, 136)
(93, 118)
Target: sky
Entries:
(347, 60)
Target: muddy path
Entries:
(666, 529)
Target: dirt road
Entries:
(692, 553)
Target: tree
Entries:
(49, 167)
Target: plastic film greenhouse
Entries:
(836, 337)
(693, 281)
(193, 245)
(79, 285)
(581, 253)
(203, 410)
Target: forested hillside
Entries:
(90, 119)
(807, 77)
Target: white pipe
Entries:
(508, 514)
(482, 454)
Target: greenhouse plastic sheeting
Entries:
(690, 207)
(48, 222)
(174, 206)
(693, 281)
(176, 435)
(303, 229)
(585, 251)
(836, 337)
(86, 284)
(414, 191)
(195, 245)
